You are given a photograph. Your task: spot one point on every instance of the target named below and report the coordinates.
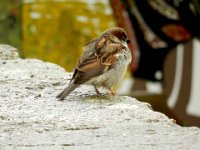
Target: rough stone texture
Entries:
(32, 118)
(8, 52)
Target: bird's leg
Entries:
(96, 89)
(112, 92)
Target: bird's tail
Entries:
(67, 91)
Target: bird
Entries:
(103, 63)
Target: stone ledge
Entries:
(8, 52)
(32, 118)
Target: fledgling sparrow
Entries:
(103, 63)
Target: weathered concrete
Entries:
(8, 52)
(31, 118)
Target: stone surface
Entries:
(32, 118)
(8, 52)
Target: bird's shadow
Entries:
(103, 98)
(97, 98)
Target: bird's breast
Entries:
(116, 73)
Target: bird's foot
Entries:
(112, 92)
(96, 89)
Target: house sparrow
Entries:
(103, 63)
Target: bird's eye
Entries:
(124, 38)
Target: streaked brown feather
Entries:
(101, 56)
(88, 71)
(101, 42)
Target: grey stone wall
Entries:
(32, 118)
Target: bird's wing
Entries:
(98, 57)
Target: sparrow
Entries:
(103, 63)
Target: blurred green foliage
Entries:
(10, 24)
(57, 31)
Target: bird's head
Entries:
(119, 33)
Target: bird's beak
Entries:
(128, 41)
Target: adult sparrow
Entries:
(103, 63)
